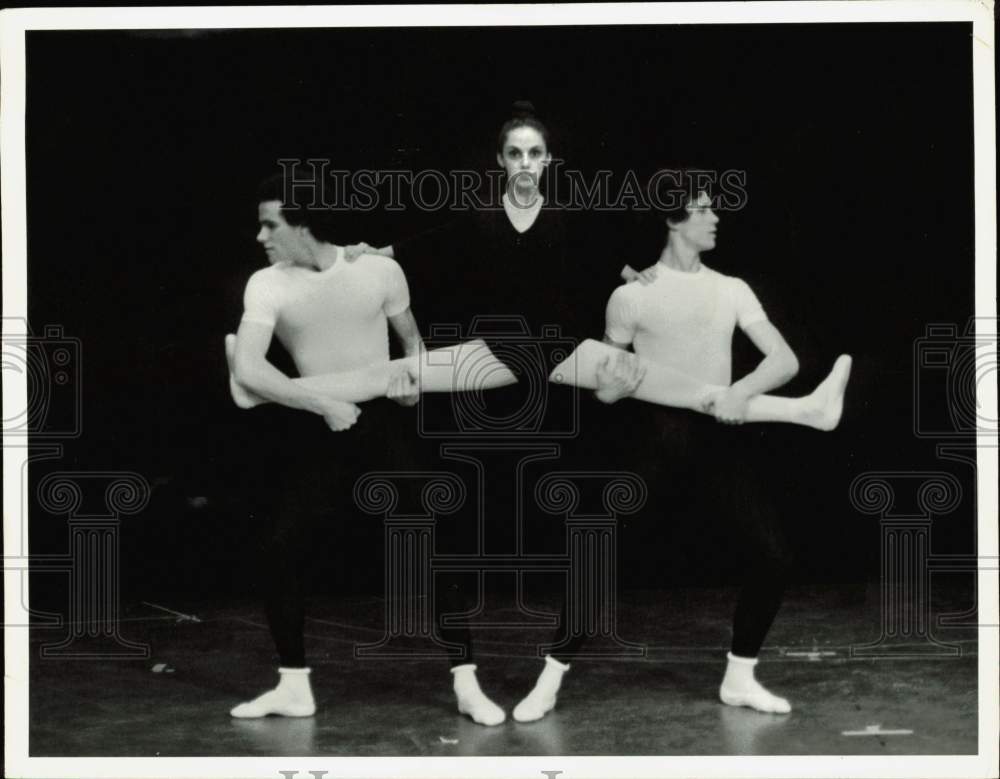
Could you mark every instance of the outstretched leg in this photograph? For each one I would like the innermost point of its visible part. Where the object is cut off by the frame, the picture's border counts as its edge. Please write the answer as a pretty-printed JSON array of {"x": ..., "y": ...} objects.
[
  {"x": 821, "y": 409},
  {"x": 350, "y": 386},
  {"x": 462, "y": 368},
  {"x": 667, "y": 386}
]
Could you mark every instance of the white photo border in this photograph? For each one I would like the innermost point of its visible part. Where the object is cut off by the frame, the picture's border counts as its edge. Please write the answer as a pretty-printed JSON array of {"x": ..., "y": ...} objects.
[{"x": 13, "y": 26}]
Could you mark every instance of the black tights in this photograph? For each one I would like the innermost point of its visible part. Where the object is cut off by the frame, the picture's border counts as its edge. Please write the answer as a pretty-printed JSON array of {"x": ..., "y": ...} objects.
[
  {"x": 714, "y": 478},
  {"x": 705, "y": 475},
  {"x": 702, "y": 473},
  {"x": 307, "y": 496}
]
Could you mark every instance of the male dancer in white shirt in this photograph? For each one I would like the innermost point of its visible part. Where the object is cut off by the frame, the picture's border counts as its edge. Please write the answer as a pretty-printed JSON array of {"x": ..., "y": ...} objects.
[
  {"x": 684, "y": 317},
  {"x": 330, "y": 315}
]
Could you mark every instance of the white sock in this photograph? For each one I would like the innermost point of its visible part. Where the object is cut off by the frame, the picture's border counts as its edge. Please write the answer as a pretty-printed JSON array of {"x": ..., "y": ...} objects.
[
  {"x": 472, "y": 700},
  {"x": 740, "y": 688},
  {"x": 291, "y": 698},
  {"x": 242, "y": 397},
  {"x": 542, "y": 698}
]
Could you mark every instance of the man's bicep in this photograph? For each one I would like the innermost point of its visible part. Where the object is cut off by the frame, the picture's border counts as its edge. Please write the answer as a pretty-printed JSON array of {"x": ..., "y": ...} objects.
[
  {"x": 397, "y": 291},
  {"x": 404, "y": 324},
  {"x": 252, "y": 342},
  {"x": 261, "y": 300},
  {"x": 619, "y": 319}
]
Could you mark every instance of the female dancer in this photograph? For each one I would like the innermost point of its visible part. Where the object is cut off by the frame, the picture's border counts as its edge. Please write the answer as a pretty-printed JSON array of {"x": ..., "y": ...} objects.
[{"x": 507, "y": 267}]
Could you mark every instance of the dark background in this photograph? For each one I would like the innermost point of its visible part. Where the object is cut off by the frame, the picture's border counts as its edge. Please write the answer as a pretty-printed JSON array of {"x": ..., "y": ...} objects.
[{"x": 144, "y": 149}]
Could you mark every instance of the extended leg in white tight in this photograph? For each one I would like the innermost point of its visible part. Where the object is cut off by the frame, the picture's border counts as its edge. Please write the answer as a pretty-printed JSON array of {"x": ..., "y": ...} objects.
[
  {"x": 821, "y": 409},
  {"x": 465, "y": 367},
  {"x": 667, "y": 386}
]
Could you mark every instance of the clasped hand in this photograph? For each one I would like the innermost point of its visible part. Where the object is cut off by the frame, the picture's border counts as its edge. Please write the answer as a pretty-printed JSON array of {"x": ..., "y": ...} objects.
[
  {"x": 622, "y": 378},
  {"x": 340, "y": 415},
  {"x": 404, "y": 387},
  {"x": 728, "y": 406}
]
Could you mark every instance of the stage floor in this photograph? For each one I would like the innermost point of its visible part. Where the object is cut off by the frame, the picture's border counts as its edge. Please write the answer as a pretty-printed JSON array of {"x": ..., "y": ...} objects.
[{"x": 176, "y": 702}]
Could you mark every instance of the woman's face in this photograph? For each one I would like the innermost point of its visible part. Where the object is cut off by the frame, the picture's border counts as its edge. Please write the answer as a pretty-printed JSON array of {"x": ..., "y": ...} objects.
[{"x": 524, "y": 157}]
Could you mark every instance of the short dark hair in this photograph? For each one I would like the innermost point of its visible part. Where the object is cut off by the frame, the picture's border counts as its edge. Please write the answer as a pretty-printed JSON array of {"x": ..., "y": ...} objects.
[
  {"x": 522, "y": 114},
  {"x": 678, "y": 187},
  {"x": 322, "y": 221}
]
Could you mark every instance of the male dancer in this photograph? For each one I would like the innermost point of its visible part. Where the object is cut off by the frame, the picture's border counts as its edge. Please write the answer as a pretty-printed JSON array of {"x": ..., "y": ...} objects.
[
  {"x": 686, "y": 319},
  {"x": 330, "y": 315}
]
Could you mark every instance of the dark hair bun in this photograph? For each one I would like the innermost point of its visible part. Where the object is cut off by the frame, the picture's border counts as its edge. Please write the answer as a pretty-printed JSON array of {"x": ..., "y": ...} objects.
[{"x": 522, "y": 109}]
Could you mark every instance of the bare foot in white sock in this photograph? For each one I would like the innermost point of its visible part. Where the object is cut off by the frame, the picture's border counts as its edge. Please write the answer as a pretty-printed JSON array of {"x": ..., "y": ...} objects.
[
  {"x": 542, "y": 698},
  {"x": 291, "y": 698},
  {"x": 740, "y": 688},
  {"x": 826, "y": 403},
  {"x": 242, "y": 397},
  {"x": 472, "y": 700}
]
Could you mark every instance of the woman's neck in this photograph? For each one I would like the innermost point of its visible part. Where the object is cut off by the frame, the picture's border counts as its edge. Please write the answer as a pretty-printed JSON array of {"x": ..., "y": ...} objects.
[
  {"x": 522, "y": 197},
  {"x": 520, "y": 216}
]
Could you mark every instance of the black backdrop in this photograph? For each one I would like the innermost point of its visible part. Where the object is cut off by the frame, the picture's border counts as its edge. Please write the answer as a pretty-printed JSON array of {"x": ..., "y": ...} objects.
[{"x": 144, "y": 149}]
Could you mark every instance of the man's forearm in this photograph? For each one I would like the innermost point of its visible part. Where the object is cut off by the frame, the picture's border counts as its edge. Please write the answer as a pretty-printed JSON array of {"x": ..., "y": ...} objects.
[
  {"x": 412, "y": 345},
  {"x": 775, "y": 370},
  {"x": 404, "y": 325},
  {"x": 268, "y": 382}
]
